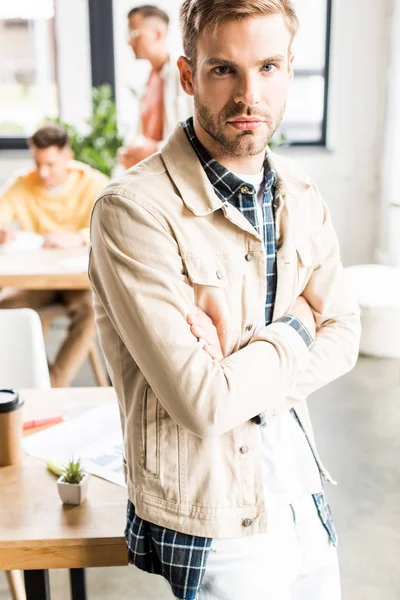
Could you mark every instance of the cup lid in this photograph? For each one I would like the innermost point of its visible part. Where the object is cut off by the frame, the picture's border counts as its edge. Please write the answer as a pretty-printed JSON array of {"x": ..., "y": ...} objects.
[{"x": 9, "y": 400}]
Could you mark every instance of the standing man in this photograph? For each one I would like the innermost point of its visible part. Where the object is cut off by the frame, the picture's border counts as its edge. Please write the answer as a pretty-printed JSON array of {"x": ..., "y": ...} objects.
[
  {"x": 54, "y": 200},
  {"x": 164, "y": 103},
  {"x": 221, "y": 305}
]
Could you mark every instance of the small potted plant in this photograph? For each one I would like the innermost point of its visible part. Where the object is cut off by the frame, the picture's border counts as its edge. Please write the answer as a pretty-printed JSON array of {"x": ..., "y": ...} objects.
[{"x": 73, "y": 483}]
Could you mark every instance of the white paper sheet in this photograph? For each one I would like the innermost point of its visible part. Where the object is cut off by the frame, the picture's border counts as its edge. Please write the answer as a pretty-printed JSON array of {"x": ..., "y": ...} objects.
[
  {"x": 94, "y": 436},
  {"x": 24, "y": 241},
  {"x": 77, "y": 264}
]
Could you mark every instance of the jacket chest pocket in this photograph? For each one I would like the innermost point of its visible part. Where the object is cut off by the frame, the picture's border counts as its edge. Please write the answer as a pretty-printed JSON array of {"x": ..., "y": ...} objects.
[
  {"x": 211, "y": 272},
  {"x": 208, "y": 277},
  {"x": 304, "y": 264},
  {"x": 151, "y": 432}
]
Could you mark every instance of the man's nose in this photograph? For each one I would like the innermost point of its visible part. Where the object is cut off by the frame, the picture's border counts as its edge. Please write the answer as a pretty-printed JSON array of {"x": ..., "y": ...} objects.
[
  {"x": 44, "y": 172},
  {"x": 247, "y": 91}
]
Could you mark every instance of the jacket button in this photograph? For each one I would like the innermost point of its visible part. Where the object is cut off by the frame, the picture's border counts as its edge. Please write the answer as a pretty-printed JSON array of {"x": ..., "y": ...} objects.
[
  {"x": 249, "y": 256},
  {"x": 249, "y": 327},
  {"x": 244, "y": 449},
  {"x": 220, "y": 274},
  {"x": 247, "y": 522},
  {"x": 245, "y": 189}
]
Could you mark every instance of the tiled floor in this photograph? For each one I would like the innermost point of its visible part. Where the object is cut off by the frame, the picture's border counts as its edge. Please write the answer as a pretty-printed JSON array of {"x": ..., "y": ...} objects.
[{"x": 357, "y": 422}]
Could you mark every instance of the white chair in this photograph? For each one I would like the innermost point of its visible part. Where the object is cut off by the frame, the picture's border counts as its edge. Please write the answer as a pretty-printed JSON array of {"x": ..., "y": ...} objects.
[
  {"x": 377, "y": 288},
  {"x": 23, "y": 364}
]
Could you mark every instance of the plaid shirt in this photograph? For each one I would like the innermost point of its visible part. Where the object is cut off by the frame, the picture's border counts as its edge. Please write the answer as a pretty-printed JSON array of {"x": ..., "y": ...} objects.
[{"x": 178, "y": 557}]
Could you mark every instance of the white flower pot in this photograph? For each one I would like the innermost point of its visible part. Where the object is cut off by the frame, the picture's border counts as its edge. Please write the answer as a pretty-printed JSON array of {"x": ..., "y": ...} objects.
[{"x": 73, "y": 493}]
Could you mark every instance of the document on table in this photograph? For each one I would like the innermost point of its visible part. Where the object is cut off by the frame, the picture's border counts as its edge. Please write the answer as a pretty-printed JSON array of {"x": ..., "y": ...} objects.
[
  {"x": 24, "y": 241},
  {"x": 94, "y": 436},
  {"x": 75, "y": 264}
]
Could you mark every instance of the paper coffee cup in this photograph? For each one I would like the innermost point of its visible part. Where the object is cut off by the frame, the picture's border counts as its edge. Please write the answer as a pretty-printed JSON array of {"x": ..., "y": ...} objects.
[{"x": 10, "y": 427}]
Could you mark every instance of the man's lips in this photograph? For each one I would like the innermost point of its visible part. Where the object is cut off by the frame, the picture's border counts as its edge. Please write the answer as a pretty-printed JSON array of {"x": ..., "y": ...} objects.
[{"x": 245, "y": 124}]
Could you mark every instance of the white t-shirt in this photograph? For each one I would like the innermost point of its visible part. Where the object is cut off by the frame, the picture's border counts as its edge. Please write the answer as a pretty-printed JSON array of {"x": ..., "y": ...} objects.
[{"x": 289, "y": 469}]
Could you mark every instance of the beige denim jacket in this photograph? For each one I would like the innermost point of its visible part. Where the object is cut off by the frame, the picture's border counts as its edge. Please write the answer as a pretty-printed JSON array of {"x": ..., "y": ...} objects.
[{"x": 163, "y": 243}]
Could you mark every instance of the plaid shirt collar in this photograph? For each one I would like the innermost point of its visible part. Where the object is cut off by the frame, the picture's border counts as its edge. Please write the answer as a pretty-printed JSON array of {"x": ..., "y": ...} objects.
[{"x": 226, "y": 185}]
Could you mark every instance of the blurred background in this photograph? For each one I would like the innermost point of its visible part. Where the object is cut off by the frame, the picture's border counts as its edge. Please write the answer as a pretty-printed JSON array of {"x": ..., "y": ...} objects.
[
  {"x": 341, "y": 116},
  {"x": 70, "y": 60}
]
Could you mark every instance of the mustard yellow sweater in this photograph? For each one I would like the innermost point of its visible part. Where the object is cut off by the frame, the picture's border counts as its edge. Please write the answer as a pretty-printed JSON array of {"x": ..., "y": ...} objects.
[{"x": 36, "y": 209}]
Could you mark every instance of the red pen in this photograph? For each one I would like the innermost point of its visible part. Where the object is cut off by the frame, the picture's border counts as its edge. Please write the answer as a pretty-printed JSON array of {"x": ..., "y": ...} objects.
[{"x": 42, "y": 422}]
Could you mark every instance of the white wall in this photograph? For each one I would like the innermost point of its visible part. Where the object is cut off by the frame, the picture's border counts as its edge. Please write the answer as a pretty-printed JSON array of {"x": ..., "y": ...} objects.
[
  {"x": 388, "y": 250},
  {"x": 348, "y": 173},
  {"x": 11, "y": 162}
]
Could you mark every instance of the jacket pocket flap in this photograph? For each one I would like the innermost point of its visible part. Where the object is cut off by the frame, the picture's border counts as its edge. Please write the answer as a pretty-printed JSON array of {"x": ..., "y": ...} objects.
[{"x": 204, "y": 271}]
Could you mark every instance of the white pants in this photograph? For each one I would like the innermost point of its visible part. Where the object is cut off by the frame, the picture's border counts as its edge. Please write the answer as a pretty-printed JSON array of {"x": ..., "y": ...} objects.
[{"x": 295, "y": 560}]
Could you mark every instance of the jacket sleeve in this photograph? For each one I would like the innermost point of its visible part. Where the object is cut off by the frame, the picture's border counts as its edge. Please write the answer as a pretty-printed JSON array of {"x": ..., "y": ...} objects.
[
  {"x": 336, "y": 312},
  {"x": 138, "y": 279}
]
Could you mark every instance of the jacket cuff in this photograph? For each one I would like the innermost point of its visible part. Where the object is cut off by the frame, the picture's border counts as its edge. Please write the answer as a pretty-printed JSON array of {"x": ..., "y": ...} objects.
[{"x": 296, "y": 324}]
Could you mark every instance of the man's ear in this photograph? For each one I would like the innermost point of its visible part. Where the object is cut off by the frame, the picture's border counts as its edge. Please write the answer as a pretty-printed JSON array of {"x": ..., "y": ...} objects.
[
  {"x": 186, "y": 75},
  {"x": 159, "y": 34},
  {"x": 291, "y": 61}
]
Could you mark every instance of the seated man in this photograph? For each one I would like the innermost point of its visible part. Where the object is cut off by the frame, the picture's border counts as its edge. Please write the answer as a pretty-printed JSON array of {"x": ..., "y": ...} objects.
[{"x": 54, "y": 200}]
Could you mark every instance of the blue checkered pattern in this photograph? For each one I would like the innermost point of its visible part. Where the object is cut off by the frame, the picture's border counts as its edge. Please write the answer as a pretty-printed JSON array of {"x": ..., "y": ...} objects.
[
  {"x": 178, "y": 557},
  {"x": 299, "y": 327},
  {"x": 242, "y": 196}
]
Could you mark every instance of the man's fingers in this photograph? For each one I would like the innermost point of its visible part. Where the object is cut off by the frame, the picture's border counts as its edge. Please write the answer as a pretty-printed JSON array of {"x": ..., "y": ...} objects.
[{"x": 215, "y": 355}]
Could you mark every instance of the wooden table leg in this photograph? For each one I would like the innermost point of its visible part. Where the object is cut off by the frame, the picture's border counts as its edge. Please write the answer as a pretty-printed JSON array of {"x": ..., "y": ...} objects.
[
  {"x": 78, "y": 584},
  {"x": 37, "y": 584}
]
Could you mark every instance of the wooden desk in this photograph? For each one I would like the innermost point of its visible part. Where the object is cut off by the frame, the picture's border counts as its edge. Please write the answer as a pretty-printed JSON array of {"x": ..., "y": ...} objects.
[
  {"x": 38, "y": 532},
  {"x": 41, "y": 270}
]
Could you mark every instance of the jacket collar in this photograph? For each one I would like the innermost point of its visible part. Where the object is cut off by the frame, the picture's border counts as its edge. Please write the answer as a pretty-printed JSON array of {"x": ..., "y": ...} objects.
[
  {"x": 194, "y": 186},
  {"x": 188, "y": 175}
]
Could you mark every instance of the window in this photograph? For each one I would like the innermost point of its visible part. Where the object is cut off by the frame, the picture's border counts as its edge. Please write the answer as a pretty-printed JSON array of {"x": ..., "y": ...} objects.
[
  {"x": 27, "y": 68},
  {"x": 38, "y": 82},
  {"x": 306, "y": 113}
]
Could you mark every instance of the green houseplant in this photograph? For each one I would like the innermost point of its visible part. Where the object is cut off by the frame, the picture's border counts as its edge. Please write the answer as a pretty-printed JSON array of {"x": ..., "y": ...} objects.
[
  {"x": 98, "y": 146},
  {"x": 73, "y": 483}
]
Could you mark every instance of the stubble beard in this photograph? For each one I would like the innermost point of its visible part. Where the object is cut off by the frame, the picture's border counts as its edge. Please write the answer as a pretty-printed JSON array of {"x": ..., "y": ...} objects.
[{"x": 245, "y": 143}]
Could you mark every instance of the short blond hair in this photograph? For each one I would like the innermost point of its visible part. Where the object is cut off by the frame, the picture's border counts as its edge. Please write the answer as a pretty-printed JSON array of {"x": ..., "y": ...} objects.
[{"x": 198, "y": 15}]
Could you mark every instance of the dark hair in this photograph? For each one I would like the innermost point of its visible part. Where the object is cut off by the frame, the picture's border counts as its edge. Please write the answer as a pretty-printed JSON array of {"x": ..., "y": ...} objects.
[
  {"x": 49, "y": 135},
  {"x": 149, "y": 10}
]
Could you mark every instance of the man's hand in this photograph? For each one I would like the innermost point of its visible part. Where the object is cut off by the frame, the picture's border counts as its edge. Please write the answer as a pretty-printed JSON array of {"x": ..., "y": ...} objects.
[
  {"x": 7, "y": 234},
  {"x": 204, "y": 329},
  {"x": 302, "y": 310},
  {"x": 63, "y": 239},
  {"x": 128, "y": 157}
]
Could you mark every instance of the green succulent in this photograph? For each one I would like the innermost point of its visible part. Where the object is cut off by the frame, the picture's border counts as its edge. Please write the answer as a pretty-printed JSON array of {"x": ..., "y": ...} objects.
[{"x": 73, "y": 471}]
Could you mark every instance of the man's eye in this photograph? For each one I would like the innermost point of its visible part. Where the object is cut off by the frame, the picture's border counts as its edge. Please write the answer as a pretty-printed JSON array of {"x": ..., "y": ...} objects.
[
  {"x": 222, "y": 70},
  {"x": 268, "y": 68}
]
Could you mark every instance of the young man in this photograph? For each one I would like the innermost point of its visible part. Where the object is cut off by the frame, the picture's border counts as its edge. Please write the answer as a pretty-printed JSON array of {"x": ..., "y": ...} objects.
[
  {"x": 164, "y": 103},
  {"x": 219, "y": 240},
  {"x": 54, "y": 200}
]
